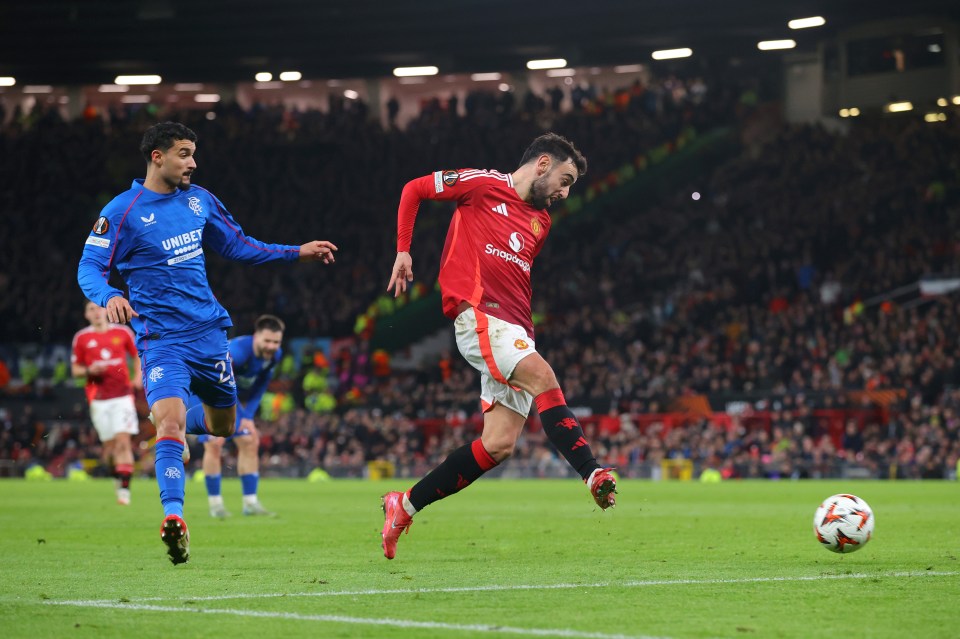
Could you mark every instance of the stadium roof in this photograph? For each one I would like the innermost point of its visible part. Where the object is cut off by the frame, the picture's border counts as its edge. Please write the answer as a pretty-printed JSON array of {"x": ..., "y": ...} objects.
[{"x": 71, "y": 42}]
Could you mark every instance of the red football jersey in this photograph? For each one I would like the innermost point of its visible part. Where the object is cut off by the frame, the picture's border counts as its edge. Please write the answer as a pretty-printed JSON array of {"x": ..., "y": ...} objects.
[
  {"x": 110, "y": 347},
  {"x": 492, "y": 240}
]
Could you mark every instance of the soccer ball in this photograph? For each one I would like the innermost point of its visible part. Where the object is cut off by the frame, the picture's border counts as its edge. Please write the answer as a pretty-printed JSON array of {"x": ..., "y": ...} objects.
[{"x": 843, "y": 523}]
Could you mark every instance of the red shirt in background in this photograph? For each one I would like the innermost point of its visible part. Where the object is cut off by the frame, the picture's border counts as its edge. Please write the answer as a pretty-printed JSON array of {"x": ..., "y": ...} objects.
[{"x": 110, "y": 348}]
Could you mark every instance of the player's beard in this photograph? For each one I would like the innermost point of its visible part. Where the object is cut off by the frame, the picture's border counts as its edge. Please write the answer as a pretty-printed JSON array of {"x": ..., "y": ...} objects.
[
  {"x": 539, "y": 193},
  {"x": 178, "y": 184}
]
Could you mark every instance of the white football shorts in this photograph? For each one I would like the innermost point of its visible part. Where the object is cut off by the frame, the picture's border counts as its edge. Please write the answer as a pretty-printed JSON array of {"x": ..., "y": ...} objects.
[
  {"x": 494, "y": 347},
  {"x": 112, "y": 416}
]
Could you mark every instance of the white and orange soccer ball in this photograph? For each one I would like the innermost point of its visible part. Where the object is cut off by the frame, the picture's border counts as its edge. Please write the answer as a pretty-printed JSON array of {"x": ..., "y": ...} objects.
[{"x": 843, "y": 523}]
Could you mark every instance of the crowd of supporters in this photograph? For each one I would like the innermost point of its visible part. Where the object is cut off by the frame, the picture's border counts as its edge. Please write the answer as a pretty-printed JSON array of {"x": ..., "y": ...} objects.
[
  {"x": 746, "y": 287},
  {"x": 921, "y": 441},
  {"x": 762, "y": 282},
  {"x": 284, "y": 175}
]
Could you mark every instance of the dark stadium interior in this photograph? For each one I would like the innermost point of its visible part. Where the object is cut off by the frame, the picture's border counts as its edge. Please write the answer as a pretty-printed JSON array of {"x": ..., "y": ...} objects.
[{"x": 90, "y": 41}]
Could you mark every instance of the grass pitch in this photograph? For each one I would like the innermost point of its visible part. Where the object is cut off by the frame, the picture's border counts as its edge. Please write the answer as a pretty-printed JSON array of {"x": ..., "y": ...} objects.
[{"x": 505, "y": 558}]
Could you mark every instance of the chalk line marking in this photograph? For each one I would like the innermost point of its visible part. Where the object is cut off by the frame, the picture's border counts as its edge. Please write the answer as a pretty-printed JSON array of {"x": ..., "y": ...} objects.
[
  {"x": 393, "y": 623},
  {"x": 561, "y": 586},
  {"x": 140, "y": 604}
]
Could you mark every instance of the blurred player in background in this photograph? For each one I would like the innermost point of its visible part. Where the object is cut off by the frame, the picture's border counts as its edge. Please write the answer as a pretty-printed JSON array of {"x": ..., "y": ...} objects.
[
  {"x": 500, "y": 225},
  {"x": 100, "y": 353},
  {"x": 255, "y": 357},
  {"x": 155, "y": 234}
]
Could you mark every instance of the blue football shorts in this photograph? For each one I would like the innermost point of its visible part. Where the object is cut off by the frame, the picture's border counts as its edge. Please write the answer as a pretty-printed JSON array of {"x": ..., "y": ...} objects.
[{"x": 200, "y": 366}]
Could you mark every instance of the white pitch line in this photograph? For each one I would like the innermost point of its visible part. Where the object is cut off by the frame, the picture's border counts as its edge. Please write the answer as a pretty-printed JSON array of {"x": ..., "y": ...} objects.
[
  {"x": 760, "y": 580},
  {"x": 394, "y": 623},
  {"x": 560, "y": 586}
]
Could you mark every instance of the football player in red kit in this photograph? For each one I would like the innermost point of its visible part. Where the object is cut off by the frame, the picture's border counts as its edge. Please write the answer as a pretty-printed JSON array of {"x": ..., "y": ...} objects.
[
  {"x": 499, "y": 227},
  {"x": 100, "y": 353}
]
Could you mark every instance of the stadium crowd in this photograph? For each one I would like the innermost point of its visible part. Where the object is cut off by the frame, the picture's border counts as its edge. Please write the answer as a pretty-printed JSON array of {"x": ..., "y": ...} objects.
[
  {"x": 283, "y": 173},
  {"x": 769, "y": 285}
]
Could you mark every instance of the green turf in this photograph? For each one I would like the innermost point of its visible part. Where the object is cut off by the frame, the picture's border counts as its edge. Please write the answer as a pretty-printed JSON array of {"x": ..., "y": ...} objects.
[{"x": 673, "y": 560}]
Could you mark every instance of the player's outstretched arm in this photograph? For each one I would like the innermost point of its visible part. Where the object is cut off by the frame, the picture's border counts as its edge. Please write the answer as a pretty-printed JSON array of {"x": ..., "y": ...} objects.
[
  {"x": 318, "y": 251},
  {"x": 119, "y": 310},
  {"x": 402, "y": 273}
]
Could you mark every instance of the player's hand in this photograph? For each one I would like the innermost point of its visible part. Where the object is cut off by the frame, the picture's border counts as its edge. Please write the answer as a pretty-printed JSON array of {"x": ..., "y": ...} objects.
[
  {"x": 247, "y": 425},
  {"x": 119, "y": 310},
  {"x": 402, "y": 273},
  {"x": 96, "y": 368},
  {"x": 318, "y": 251}
]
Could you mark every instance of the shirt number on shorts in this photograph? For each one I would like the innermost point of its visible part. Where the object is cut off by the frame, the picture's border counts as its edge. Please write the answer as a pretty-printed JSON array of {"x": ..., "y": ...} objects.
[{"x": 226, "y": 373}]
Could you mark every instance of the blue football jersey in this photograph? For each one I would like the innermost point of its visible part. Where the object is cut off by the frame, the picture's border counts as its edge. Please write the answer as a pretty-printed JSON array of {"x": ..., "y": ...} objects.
[
  {"x": 251, "y": 373},
  {"x": 157, "y": 241}
]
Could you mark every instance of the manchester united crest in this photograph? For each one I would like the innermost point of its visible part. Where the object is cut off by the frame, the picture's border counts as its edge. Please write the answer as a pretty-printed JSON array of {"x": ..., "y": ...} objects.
[
  {"x": 521, "y": 345},
  {"x": 535, "y": 226}
]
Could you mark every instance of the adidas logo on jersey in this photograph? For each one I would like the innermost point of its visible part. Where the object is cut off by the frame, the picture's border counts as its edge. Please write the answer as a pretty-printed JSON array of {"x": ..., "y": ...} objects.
[{"x": 501, "y": 209}]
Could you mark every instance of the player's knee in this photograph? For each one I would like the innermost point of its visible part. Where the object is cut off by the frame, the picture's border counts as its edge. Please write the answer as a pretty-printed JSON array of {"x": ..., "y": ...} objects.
[
  {"x": 544, "y": 381},
  {"x": 248, "y": 442},
  {"x": 169, "y": 427},
  {"x": 213, "y": 446},
  {"x": 536, "y": 376},
  {"x": 500, "y": 448}
]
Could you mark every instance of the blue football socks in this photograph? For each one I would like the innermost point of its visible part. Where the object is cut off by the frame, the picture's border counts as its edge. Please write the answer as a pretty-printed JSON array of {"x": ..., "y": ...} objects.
[
  {"x": 213, "y": 485},
  {"x": 170, "y": 475},
  {"x": 249, "y": 483}
]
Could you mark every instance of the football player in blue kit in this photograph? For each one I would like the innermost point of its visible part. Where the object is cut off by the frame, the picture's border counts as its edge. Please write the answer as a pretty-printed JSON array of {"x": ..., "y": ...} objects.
[
  {"x": 255, "y": 358},
  {"x": 155, "y": 235}
]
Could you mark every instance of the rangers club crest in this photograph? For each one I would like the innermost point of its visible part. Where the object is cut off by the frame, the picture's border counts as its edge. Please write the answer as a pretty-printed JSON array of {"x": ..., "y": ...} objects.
[{"x": 194, "y": 204}]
